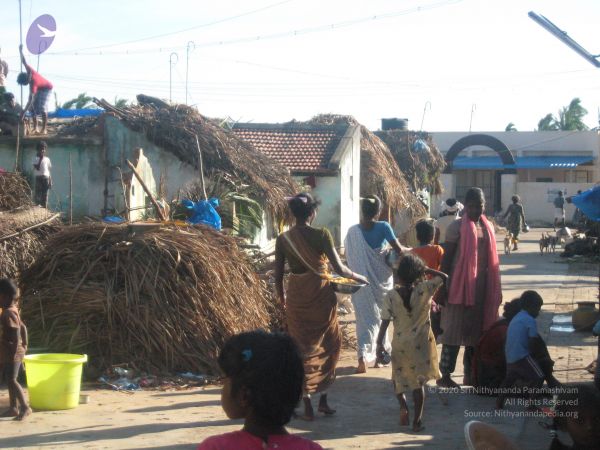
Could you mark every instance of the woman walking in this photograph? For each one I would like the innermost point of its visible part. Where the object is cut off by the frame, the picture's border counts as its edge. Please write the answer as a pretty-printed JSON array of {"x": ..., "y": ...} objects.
[
  {"x": 364, "y": 251},
  {"x": 516, "y": 219},
  {"x": 309, "y": 300},
  {"x": 474, "y": 293}
]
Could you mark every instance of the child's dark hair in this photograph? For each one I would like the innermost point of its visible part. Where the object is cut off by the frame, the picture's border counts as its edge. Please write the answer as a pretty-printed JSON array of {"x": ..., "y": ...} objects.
[
  {"x": 531, "y": 299},
  {"x": 512, "y": 308},
  {"x": 302, "y": 205},
  {"x": 23, "y": 79},
  {"x": 8, "y": 288},
  {"x": 269, "y": 367},
  {"x": 425, "y": 231},
  {"x": 370, "y": 206},
  {"x": 474, "y": 195},
  {"x": 411, "y": 269}
]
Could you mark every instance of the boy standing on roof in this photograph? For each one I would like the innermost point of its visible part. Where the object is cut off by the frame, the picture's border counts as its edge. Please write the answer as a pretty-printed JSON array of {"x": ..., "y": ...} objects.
[{"x": 39, "y": 93}]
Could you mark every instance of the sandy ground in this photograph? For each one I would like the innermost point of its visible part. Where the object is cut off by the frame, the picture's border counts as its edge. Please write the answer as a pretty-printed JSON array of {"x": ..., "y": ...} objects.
[{"x": 367, "y": 410}]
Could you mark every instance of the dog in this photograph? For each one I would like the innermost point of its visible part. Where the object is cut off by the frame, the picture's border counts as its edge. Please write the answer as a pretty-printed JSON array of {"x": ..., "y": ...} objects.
[
  {"x": 562, "y": 235},
  {"x": 552, "y": 241},
  {"x": 507, "y": 243},
  {"x": 544, "y": 243}
]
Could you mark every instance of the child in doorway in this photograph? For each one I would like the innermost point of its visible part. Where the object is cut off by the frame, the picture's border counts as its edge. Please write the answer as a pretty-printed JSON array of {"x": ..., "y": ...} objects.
[
  {"x": 414, "y": 355},
  {"x": 264, "y": 375},
  {"x": 521, "y": 339},
  {"x": 578, "y": 413},
  {"x": 12, "y": 349},
  {"x": 432, "y": 255}
]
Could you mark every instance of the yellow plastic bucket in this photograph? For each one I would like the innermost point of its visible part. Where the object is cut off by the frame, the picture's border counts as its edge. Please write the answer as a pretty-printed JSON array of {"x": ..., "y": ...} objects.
[{"x": 54, "y": 380}]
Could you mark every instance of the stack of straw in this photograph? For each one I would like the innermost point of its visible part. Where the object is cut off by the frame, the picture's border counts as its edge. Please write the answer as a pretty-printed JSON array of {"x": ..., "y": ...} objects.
[{"x": 162, "y": 300}]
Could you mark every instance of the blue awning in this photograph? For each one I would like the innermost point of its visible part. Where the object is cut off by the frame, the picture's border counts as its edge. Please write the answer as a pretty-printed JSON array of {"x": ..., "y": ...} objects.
[{"x": 522, "y": 162}]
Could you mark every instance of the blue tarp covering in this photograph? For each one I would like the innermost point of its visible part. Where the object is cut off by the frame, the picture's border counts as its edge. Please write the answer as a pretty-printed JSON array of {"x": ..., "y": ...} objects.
[
  {"x": 522, "y": 162},
  {"x": 203, "y": 212},
  {"x": 70, "y": 113},
  {"x": 589, "y": 203}
]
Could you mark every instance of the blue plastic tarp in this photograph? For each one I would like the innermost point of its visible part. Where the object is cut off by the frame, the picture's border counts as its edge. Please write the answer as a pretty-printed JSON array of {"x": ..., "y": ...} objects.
[
  {"x": 589, "y": 203},
  {"x": 70, "y": 113},
  {"x": 203, "y": 212}
]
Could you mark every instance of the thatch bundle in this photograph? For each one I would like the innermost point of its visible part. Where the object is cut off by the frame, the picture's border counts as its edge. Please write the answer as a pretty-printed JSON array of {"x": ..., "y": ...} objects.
[
  {"x": 165, "y": 299},
  {"x": 379, "y": 173},
  {"x": 14, "y": 191},
  {"x": 175, "y": 127},
  {"x": 23, "y": 233},
  {"x": 421, "y": 168}
]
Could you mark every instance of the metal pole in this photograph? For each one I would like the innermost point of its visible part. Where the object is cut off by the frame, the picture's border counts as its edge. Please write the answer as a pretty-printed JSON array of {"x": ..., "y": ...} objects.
[
  {"x": 427, "y": 104},
  {"x": 171, "y": 64},
  {"x": 187, "y": 66},
  {"x": 21, "y": 43},
  {"x": 473, "y": 109}
]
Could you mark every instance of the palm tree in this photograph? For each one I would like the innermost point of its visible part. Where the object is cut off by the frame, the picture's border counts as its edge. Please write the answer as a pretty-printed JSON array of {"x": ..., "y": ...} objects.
[
  {"x": 82, "y": 101},
  {"x": 120, "y": 102},
  {"x": 510, "y": 127},
  {"x": 570, "y": 118}
]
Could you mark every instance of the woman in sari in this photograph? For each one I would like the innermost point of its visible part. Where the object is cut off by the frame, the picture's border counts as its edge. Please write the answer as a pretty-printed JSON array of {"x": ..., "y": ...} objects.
[
  {"x": 516, "y": 219},
  {"x": 365, "y": 253},
  {"x": 474, "y": 292},
  {"x": 309, "y": 300}
]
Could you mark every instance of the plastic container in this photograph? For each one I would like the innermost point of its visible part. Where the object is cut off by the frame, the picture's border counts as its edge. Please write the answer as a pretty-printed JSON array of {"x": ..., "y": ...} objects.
[
  {"x": 585, "y": 316},
  {"x": 54, "y": 380}
]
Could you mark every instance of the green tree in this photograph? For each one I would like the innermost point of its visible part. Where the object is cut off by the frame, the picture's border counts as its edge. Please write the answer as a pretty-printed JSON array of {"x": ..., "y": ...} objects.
[
  {"x": 82, "y": 101},
  {"x": 570, "y": 118},
  {"x": 120, "y": 102},
  {"x": 510, "y": 127}
]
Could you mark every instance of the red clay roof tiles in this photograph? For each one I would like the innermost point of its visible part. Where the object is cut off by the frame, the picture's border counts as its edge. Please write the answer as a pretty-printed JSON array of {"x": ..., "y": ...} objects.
[{"x": 301, "y": 148}]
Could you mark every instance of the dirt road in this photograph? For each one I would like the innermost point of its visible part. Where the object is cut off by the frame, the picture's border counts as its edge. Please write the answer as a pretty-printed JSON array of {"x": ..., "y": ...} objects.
[{"x": 367, "y": 410}]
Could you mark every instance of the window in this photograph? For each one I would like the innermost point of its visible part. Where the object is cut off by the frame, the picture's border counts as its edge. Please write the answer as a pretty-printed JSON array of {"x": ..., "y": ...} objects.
[
  {"x": 544, "y": 180},
  {"x": 579, "y": 176}
]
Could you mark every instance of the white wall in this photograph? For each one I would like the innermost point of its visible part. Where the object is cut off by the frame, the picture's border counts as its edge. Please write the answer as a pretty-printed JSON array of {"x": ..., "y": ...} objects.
[
  {"x": 328, "y": 190},
  {"x": 350, "y": 184},
  {"x": 537, "y": 200}
]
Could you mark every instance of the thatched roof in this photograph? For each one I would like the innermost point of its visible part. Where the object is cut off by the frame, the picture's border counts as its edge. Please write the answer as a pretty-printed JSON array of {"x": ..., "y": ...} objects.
[
  {"x": 422, "y": 169},
  {"x": 379, "y": 173},
  {"x": 175, "y": 128}
]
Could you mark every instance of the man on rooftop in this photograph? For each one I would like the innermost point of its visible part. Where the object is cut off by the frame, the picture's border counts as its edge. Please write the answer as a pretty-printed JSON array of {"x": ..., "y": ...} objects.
[{"x": 40, "y": 90}]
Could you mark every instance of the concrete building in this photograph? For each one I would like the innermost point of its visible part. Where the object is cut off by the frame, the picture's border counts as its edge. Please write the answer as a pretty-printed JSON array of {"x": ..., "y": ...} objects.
[
  {"x": 535, "y": 165},
  {"x": 324, "y": 158}
]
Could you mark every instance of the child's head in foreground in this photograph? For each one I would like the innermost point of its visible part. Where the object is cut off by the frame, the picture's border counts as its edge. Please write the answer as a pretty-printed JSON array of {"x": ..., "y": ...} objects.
[
  {"x": 531, "y": 302},
  {"x": 8, "y": 292},
  {"x": 578, "y": 413},
  {"x": 425, "y": 232},
  {"x": 411, "y": 269},
  {"x": 264, "y": 375}
]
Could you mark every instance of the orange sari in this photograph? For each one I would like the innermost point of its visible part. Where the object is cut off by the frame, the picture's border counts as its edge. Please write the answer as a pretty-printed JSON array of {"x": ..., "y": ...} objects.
[{"x": 311, "y": 314}]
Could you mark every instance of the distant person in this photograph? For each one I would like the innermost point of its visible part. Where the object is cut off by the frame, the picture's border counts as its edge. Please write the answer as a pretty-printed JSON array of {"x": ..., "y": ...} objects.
[
  {"x": 10, "y": 112},
  {"x": 578, "y": 216},
  {"x": 432, "y": 255},
  {"x": 13, "y": 347},
  {"x": 474, "y": 291},
  {"x": 521, "y": 338},
  {"x": 3, "y": 74},
  {"x": 578, "y": 414},
  {"x": 516, "y": 219},
  {"x": 40, "y": 90},
  {"x": 365, "y": 246},
  {"x": 559, "y": 210},
  {"x": 450, "y": 212},
  {"x": 263, "y": 383},
  {"x": 43, "y": 179},
  {"x": 414, "y": 354}
]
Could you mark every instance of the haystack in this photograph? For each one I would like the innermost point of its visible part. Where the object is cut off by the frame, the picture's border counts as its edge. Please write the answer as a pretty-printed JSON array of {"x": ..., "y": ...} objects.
[
  {"x": 175, "y": 128},
  {"x": 422, "y": 168},
  {"x": 162, "y": 300},
  {"x": 379, "y": 173},
  {"x": 23, "y": 227}
]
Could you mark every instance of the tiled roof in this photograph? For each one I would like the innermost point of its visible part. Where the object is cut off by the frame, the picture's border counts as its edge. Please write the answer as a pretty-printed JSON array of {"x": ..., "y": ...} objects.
[{"x": 301, "y": 147}]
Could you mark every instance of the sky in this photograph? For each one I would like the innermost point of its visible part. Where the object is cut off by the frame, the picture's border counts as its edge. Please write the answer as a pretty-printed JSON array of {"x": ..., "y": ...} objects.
[{"x": 445, "y": 65}]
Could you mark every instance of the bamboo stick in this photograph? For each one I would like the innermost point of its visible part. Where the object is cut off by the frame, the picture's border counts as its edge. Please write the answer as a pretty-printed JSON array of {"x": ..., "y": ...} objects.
[{"x": 147, "y": 191}]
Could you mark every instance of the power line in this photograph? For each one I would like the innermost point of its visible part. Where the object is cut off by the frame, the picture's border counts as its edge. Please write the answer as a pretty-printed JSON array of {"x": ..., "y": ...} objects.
[
  {"x": 204, "y": 25},
  {"x": 278, "y": 35}
]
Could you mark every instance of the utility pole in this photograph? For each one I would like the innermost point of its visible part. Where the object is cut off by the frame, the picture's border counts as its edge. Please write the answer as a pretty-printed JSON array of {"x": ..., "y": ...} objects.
[{"x": 171, "y": 64}]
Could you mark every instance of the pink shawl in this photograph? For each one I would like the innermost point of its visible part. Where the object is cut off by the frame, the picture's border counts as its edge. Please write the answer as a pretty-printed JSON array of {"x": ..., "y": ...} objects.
[{"x": 464, "y": 275}]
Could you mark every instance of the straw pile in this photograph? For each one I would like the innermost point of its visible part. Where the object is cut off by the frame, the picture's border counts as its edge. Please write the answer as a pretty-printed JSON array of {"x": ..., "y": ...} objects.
[
  {"x": 421, "y": 169},
  {"x": 162, "y": 300},
  {"x": 14, "y": 191},
  {"x": 379, "y": 174},
  {"x": 175, "y": 127}
]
